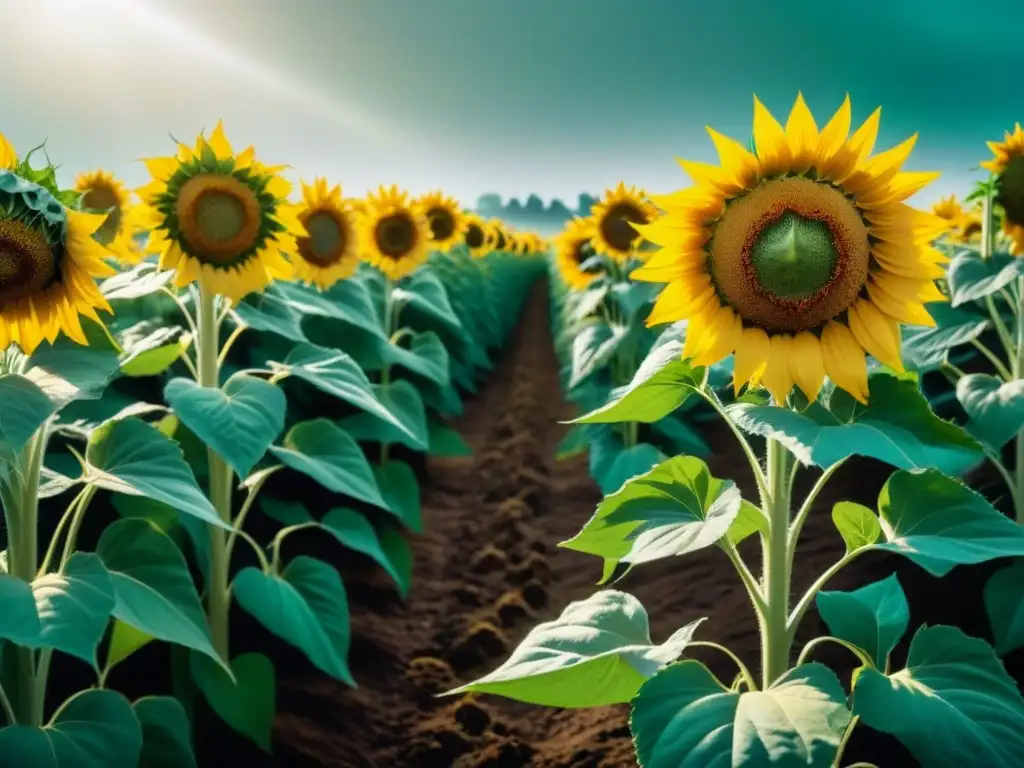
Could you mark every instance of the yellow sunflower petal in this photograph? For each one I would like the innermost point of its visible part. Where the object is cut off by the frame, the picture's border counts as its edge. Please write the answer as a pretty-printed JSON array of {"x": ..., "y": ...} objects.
[
  {"x": 844, "y": 360},
  {"x": 777, "y": 377},
  {"x": 878, "y": 334},
  {"x": 773, "y": 152},
  {"x": 806, "y": 365},
  {"x": 801, "y": 135},
  {"x": 752, "y": 355}
]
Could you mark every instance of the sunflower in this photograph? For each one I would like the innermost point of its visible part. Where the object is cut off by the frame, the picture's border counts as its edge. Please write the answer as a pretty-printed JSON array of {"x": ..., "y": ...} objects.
[
  {"x": 616, "y": 217},
  {"x": 800, "y": 258},
  {"x": 1008, "y": 165},
  {"x": 330, "y": 251},
  {"x": 572, "y": 248},
  {"x": 474, "y": 235},
  {"x": 497, "y": 237},
  {"x": 949, "y": 209},
  {"x": 445, "y": 218},
  {"x": 395, "y": 232},
  {"x": 219, "y": 218},
  {"x": 102, "y": 192},
  {"x": 968, "y": 226},
  {"x": 49, "y": 258}
]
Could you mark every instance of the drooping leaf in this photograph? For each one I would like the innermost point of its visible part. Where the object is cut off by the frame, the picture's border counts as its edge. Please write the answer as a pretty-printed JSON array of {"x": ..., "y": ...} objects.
[
  {"x": 444, "y": 441},
  {"x": 674, "y": 509},
  {"x": 873, "y": 618},
  {"x": 67, "y": 371},
  {"x": 1004, "y": 604},
  {"x": 972, "y": 277},
  {"x": 239, "y": 421},
  {"x": 346, "y": 300},
  {"x": 305, "y": 605},
  {"x": 153, "y": 590},
  {"x": 19, "y": 622},
  {"x": 92, "y": 729},
  {"x": 925, "y": 348},
  {"x": 684, "y": 716},
  {"x": 953, "y": 526},
  {"x": 166, "y": 733},
  {"x": 896, "y": 426},
  {"x": 141, "y": 280},
  {"x": 592, "y": 349},
  {"x": 399, "y": 554},
  {"x": 74, "y": 606},
  {"x": 322, "y": 451},
  {"x": 271, "y": 314},
  {"x": 404, "y": 402},
  {"x": 597, "y": 652},
  {"x": 995, "y": 409},
  {"x": 401, "y": 491},
  {"x": 25, "y": 408},
  {"x": 354, "y": 531},
  {"x": 953, "y": 704},
  {"x": 246, "y": 703},
  {"x": 129, "y": 456}
]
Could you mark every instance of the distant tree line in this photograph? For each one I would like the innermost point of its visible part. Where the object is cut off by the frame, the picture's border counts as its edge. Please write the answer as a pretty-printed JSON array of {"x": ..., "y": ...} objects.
[{"x": 533, "y": 214}]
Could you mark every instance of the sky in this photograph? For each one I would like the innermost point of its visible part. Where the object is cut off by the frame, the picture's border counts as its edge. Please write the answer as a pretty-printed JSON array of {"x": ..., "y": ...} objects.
[{"x": 553, "y": 97}]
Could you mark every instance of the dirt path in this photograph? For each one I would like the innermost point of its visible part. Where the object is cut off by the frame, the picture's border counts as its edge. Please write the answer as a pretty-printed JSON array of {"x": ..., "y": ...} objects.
[{"x": 487, "y": 570}]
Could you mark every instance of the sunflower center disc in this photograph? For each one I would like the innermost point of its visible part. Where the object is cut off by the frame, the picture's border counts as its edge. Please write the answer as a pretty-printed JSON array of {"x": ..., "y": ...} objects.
[
  {"x": 794, "y": 258},
  {"x": 474, "y": 236},
  {"x": 326, "y": 241},
  {"x": 27, "y": 263},
  {"x": 395, "y": 235},
  {"x": 582, "y": 252},
  {"x": 103, "y": 198},
  {"x": 1011, "y": 191},
  {"x": 616, "y": 229},
  {"x": 219, "y": 215},
  {"x": 441, "y": 223},
  {"x": 220, "y": 218},
  {"x": 499, "y": 243}
]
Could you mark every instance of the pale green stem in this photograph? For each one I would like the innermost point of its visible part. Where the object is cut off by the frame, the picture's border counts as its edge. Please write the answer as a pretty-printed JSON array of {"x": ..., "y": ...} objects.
[
  {"x": 275, "y": 545},
  {"x": 1001, "y": 329},
  {"x": 1010, "y": 479},
  {"x": 749, "y": 678},
  {"x": 1001, "y": 369},
  {"x": 846, "y": 740},
  {"x": 753, "y": 589},
  {"x": 807, "y": 506},
  {"x": 218, "y": 599},
  {"x": 390, "y": 321},
  {"x": 805, "y": 602},
  {"x": 775, "y": 638},
  {"x": 8, "y": 709},
  {"x": 1018, "y": 372},
  {"x": 806, "y": 652},
  {"x": 229, "y": 342},
  {"x": 243, "y": 513},
  {"x": 184, "y": 310},
  {"x": 51, "y": 550},
  {"x": 752, "y": 460}
]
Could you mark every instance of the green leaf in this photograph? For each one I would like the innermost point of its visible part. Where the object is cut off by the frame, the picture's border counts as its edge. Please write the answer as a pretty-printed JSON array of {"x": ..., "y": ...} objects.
[
  {"x": 129, "y": 456},
  {"x": 592, "y": 349},
  {"x": 239, "y": 422},
  {"x": 346, "y": 300},
  {"x": 426, "y": 357},
  {"x": 444, "y": 441},
  {"x": 896, "y": 426},
  {"x": 271, "y": 314},
  {"x": 141, "y": 280},
  {"x": 925, "y": 348},
  {"x": 954, "y": 704},
  {"x": 684, "y": 716},
  {"x": 662, "y": 383},
  {"x": 857, "y": 524},
  {"x": 573, "y": 443},
  {"x": 305, "y": 605},
  {"x": 124, "y": 641},
  {"x": 354, "y": 531},
  {"x": 337, "y": 374},
  {"x": 74, "y": 606},
  {"x": 971, "y": 277},
  {"x": 246, "y": 703},
  {"x": 749, "y": 520},
  {"x": 153, "y": 590},
  {"x": 166, "y": 733},
  {"x": 873, "y": 618},
  {"x": 627, "y": 463},
  {"x": 597, "y": 652},
  {"x": 401, "y": 491},
  {"x": 67, "y": 371},
  {"x": 322, "y": 451},
  {"x": 92, "y": 729},
  {"x": 155, "y": 349},
  {"x": 398, "y": 552},
  {"x": 674, "y": 509},
  {"x": 25, "y": 409},
  {"x": 1004, "y": 604},
  {"x": 956, "y": 525},
  {"x": 19, "y": 622},
  {"x": 424, "y": 292},
  {"x": 404, "y": 402},
  {"x": 995, "y": 410}
]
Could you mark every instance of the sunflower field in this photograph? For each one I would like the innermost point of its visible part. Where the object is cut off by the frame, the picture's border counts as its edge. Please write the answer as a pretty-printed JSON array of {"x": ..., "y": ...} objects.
[{"x": 282, "y": 470}]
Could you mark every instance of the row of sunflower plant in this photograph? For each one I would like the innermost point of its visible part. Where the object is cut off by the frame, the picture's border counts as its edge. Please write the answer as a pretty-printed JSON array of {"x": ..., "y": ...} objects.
[
  {"x": 798, "y": 257},
  {"x": 603, "y": 328},
  {"x": 172, "y": 366}
]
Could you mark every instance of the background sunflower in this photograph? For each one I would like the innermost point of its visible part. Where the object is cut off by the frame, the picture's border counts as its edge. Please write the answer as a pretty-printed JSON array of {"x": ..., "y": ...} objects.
[
  {"x": 800, "y": 258},
  {"x": 329, "y": 252},
  {"x": 102, "y": 192},
  {"x": 572, "y": 248},
  {"x": 395, "y": 233},
  {"x": 616, "y": 216},
  {"x": 474, "y": 234},
  {"x": 445, "y": 217},
  {"x": 1008, "y": 165},
  {"x": 219, "y": 218}
]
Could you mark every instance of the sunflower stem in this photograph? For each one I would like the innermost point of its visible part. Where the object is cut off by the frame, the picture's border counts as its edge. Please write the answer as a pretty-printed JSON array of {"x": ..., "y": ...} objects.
[
  {"x": 218, "y": 596},
  {"x": 20, "y": 498},
  {"x": 390, "y": 320},
  {"x": 1018, "y": 372},
  {"x": 775, "y": 638}
]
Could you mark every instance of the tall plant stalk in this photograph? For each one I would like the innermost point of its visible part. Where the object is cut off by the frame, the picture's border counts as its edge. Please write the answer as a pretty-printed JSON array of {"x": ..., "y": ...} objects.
[{"x": 776, "y": 575}]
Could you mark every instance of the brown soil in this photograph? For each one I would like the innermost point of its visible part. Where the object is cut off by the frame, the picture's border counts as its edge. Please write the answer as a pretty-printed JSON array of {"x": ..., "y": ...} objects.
[{"x": 487, "y": 570}]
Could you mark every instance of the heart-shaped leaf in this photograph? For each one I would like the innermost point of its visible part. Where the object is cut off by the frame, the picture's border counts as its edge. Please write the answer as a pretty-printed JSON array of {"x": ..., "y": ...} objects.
[
  {"x": 955, "y": 526},
  {"x": 673, "y": 509},
  {"x": 306, "y": 605},
  {"x": 326, "y": 453},
  {"x": 954, "y": 704},
  {"x": 153, "y": 590},
  {"x": 129, "y": 456},
  {"x": 401, "y": 491},
  {"x": 873, "y": 618},
  {"x": 166, "y": 733},
  {"x": 684, "y": 716},
  {"x": 74, "y": 606},
  {"x": 239, "y": 421},
  {"x": 995, "y": 409},
  {"x": 896, "y": 426},
  {"x": 246, "y": 703},
  {"x": 597, "y": 652},
  {"x": 92, "y": 729},
  {"x": 1004, "y": 603}
]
